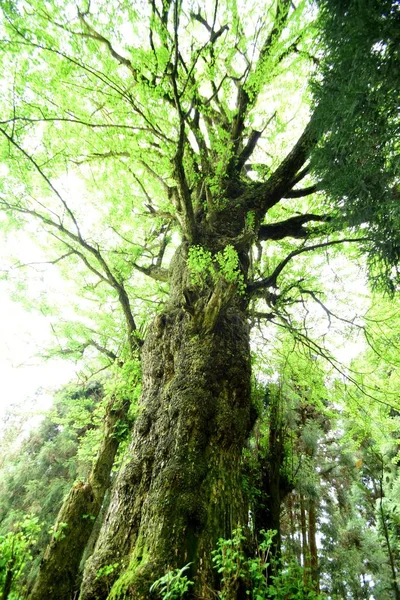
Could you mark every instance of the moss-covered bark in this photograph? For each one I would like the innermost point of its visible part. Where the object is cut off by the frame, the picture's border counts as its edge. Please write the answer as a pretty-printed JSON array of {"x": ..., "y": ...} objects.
[
  {"x": 58, "y": 573},
  {"x": 181, "y": 488}
]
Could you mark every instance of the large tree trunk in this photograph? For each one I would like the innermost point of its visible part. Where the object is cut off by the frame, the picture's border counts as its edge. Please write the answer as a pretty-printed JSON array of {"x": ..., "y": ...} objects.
[
  {"x": 181, "y": 489},
  {"x": 59, "y": 569}
]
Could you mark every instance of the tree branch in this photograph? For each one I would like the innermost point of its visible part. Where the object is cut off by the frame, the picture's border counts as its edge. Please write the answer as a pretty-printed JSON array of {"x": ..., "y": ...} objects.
[
  {"x": 245, "y": 100},
  {"x": 108, "y": 277},
  {"x": 263, "y": 196},
  {"x": 93, "y": 34},
  {"x": 264, "y": 284},
  {"x": 183, "y": 202},
  {"x": 154, "y": 271},
  {"x": 303, "y": 192},
  {"x": 293, "y": 227},
  {"x": 81, "y": 349},
  {"x": 44, "y": 176},
  {"x": 248, "y": 149}
]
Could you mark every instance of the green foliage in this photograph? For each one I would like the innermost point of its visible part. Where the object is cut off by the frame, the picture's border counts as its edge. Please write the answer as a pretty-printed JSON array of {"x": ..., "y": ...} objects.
[
  {"x": 357, "y": 94},
  {"x": 235, "y": 568},
  {"x": 230, "y": 562},
  {"x": 173, "y": 585},
  {"x": 200, "y": 263},
  {"x": 290, "y": 584},
  {"x": 16, "y": 552},
  {"x": 228, "y": 262},
  {"x": 223, "y": 265},
  {"x": 58, "y": 531},
  {"x": 114, "y": 149},
  {"x": 40, "y": 468},
  {"x": 107, "y": 570}
]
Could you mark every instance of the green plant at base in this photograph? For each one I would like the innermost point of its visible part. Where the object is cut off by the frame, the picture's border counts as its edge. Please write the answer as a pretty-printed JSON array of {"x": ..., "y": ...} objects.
[
  {"x": 237, "y": 569},
  {"x": 173, "y": 585},
  {"x": 290, "y": 584},
  {"x": 231, "y": 562},
  {"x": 106, "y": 571}
]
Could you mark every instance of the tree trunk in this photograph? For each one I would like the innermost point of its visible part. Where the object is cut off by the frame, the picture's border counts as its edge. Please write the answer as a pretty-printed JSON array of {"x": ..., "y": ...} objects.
[
  {"x": 396, "y": 589},
  {"x": 312, "y": 529},
  {"x": 267, "y": 514},
  {"x": 59, "y": 569},
  {"x": 304, "y": 544},
  {"x": 181, "y": 489},
  {"x": 294, "y": 546},
  {"x": 8, "y": 580}
]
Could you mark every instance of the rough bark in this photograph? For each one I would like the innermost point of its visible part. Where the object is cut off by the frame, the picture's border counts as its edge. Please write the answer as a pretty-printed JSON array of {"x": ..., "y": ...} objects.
[
  {"x": 304, "y": 543},
  {"x": 181, "y": 489},
  {"x": 59, "y": 569},
  {"x": 8, "y": 580},
  {"x": 312, "y": 530}
]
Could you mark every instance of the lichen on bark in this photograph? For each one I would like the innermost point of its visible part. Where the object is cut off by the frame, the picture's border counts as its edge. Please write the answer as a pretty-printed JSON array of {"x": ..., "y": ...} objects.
[{"x": 180, "y": 489}]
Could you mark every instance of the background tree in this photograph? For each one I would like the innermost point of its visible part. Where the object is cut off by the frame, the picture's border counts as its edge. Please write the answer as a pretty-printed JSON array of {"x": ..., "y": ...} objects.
[{"x": 358, "y": 157}]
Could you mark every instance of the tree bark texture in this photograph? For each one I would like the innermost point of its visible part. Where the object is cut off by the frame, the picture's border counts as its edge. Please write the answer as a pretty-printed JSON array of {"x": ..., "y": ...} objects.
[
  {"x": 8, "y": 580},
  {"x": 304, "y": 542},
  {"x": 312, "y": 529},
  {"x": 59, "y": 569},
  {"x": 181, "y": 487}
]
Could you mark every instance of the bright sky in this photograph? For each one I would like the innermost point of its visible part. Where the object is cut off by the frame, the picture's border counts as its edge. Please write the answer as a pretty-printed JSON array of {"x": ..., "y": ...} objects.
[{"x": 21, "y": 374}]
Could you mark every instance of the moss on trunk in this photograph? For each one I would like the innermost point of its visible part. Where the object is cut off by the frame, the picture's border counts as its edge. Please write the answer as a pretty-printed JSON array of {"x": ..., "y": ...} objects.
[{"x": 181, "y": 489}]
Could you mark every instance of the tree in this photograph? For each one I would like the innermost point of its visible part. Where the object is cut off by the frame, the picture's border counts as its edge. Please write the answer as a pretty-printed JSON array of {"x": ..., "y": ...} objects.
[
  {"x": 168, "y": 141},
  {"x": 39, "y": 471},
  {"x": 74, "y": 526},
  {"x": 358, "y": 159}
]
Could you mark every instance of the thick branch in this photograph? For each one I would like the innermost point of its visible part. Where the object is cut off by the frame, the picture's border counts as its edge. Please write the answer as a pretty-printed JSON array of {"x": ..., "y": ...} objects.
[
  {"x": 248, "y": 149},
  {"x": 263, "y": 196},
  {"x": 303, "y": 192},
  {"x": 155, "y": 272},
  {"x": 293, "y": 227},
  {"x": 300, "y": 175}
]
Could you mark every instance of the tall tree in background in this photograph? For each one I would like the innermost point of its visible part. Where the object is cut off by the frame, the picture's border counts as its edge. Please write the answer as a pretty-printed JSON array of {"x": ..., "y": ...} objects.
[{"x": 172, "y": 141}]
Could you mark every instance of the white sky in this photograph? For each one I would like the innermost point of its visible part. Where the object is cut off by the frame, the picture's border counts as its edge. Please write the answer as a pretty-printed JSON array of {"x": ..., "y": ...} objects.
[{"x": 21, "y": 374}]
